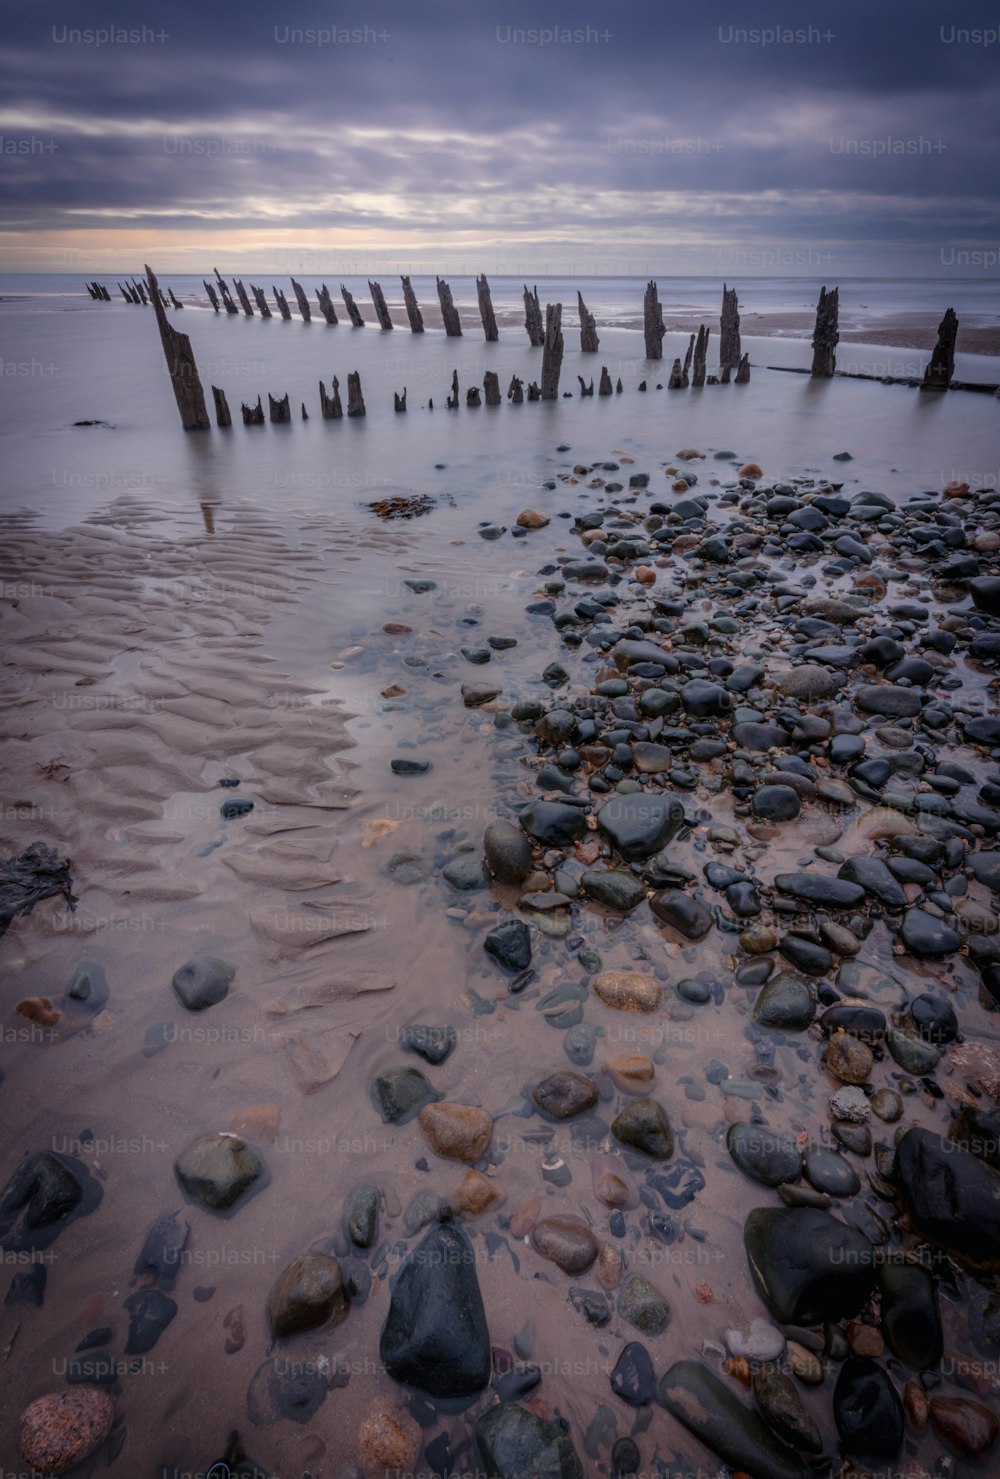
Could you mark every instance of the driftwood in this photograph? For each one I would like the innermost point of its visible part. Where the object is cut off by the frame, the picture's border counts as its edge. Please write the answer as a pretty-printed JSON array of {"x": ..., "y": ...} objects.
[
  {"x": 325, "y": 302},
  {"x": 241, "y": 293},
  {"x": 700, "y": 366},
  {"x": 552, "y": 352},
  {"x": 452, "y": 324},
  {"x": 826, "y": 334},
  {"x": 585, "y": 389},
  {"x": 262, "y": 304},
  {"x": 253, "y": 415},
  {"x": 399, "y": 401},
  {"x": 355, "y": 400},
  {"x": 533, "y": 318},
  {"x": 588, "y": 328},
  {"x": 491, "y": 388},
  {"x": 302, "y": 301},
  {"x": 188, "y": 392},
  {"x": 490, "y": 331},
  {"x": 222, "y": 416},
  {"x": 676, "y": 381},
  {"x": 281, "y": 301},
  {"x": 211, "y": 295},
  {"x": 472, "y": 397},
  {"x": 652, "y": 322},
  {"x": 515, "y": 391},
  {"x": 227, "y": 297},
  {"x": 379, "y": 304},
  {"x": 353, "y": 312},
  {"x": 452, "y": 401},
  {"x": 605, "y": 386},
  {"x": 278, "y": 411},
  {"x": 979, "y": 387},
  {"x": 330, "y": 406},
  {"x": 743, "y": 372},
  {"x": 729, "y": 330},
  {"x": 941, "y": 365},
  {"x": 412, "y": 307},
  {"x": 176, "y": 302}
]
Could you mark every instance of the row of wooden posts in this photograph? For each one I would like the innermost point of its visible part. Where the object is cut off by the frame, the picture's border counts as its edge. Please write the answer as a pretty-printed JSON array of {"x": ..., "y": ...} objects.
[{"x": 692, "y": 370}]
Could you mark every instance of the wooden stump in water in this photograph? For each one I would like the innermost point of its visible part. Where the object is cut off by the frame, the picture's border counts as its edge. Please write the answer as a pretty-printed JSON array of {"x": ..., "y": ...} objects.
[
  {"x": 618, "y": 386},
  {"x": 552, "y": 352},
  {"x": 652, "y": 322},
  {"x": 533, "y": 318},
  {"x": 588, "y": 329},
  {"x": 941, "y": 365},
  {"x": 534, "y": 394},
  {"x": 227, "y": 298},
  {"x": 700, "y": 366},
  {"x": 281, "y": 301},
  {"x": 515, "y": 391},
  {"x": 379, "y": 304},
  {"x": 183, "y": 370},
  {"x": 174, "y": 299},
  {"x": 278, "y": 411},
  {"x": 491, "y": 388},
  {"x": 305, "y": 413},
  {"x": 452, "y": 401},
  {"x": 253, "y": 415},
  {"x": 726, "y": 372},
  {"x": 605, "y": 386},
  {"x": 826, "y": 335},
  {"x": 585, "y": 389},
  {"x": 687, "y": 362},
  {"x": 141, "y": 290},
  {"x": 355, "y": 400},
  {"x": 325, "y": 302},
  {"x": 489, "y": 318},
  {"x": 676, "y": 381},
  {"x": 262, "y": 304},
  {"x": 743, "y": 372},
  {"x": 241, "y": 293},
  {"x": 222, "y": 416},
  {"x": 412, "y": 307},
  {"x": 729, "y": 330},
  {"x": 127, "y": 295},
  {"x": 472, "y": 397},
  {"x": 399, "y": 401},
  {"x": 353, "y": 312},
  {"x": 302, "y": 301},
  {"x": 452, "y": 324},
  {"x": 330, "y": 406}
]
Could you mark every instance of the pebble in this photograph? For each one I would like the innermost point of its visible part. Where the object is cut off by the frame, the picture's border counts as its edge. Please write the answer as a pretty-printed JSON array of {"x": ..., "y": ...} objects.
[
  {"x": 566, "y": 1242},
  {"x": 309, "y": 1293},
  {"x": 459, "y": 1132},
  {"x": 62, "y": 1429},
  {"x": 628, "y": 991}
]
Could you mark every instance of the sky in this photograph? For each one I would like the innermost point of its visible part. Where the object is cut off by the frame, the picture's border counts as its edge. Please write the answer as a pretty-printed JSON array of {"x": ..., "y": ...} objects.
[{"x": 758, "y": 137}]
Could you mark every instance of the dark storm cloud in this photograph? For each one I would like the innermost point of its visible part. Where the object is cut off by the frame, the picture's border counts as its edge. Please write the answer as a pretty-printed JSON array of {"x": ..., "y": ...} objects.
[{"x": 873, "y": 123}]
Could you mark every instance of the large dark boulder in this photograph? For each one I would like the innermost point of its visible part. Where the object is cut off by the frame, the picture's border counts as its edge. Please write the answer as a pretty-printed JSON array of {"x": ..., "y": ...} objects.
[
  {"x": 639, "y": 823},
  {"x": 714, "y": 1414},
  {"x": 515, "y": 1444},
  {"x": 806, "y": 1266},
  {"x": 435, "y": 1335},
  {"x": 867, "y": 1411},
  {"x": 953, "y": 1198}
]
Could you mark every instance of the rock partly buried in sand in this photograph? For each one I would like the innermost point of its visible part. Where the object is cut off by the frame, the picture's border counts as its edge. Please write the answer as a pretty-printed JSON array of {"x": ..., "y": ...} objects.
[
  {"x": 714, "y": 1414},
  {"x": 388, "y": 1441},
  {"x": 809, "y": 680},
  {"x": 38, "y": 1009},
  {"x": 510, "y": 946},
  {"x": 778, "y": 1399},
  {"x": 786, "y": 1003},
  {"x": 399, "y": 1094},
  {"x": 952, "y": 1197},
  {"x": 642, "y": 1305},
  {"x": 867, "y": 1410},
  {"x": 763, "y": 1154},
  {"x": 530, "y": 518},
  {"x": 216, "y": 1170},
  {"x": 821, "y": 889},
  {"x": 310, "y": 1292},
  {"x": 967, "y": 1426},
  {"x": 553, "y": 823},
  {"x": 361, "y": 1215},
  {"x": 628, "y": 991},
  {"x": 513, "y": 1443},
  {"x": 433, "y": 1044},
  {"x": 435, "y": 1335},
  {"x": 508, "y": 852},
  {"x": 643, "y": 1126},
  {"x": 924, "y": 935},
  {"x": 688, "y": 916},
  {"x": 62, "y": 1429},
  {"x": 474, "y": 695},
  {"x": 203, "y": 982},
  {"x": 459, "y": 1132},
  {"x": 638, "y": 824},
  {"x": 565, "y": 1094},
  {"x": 565, "y": 1241},
  {"x": 806, "y": 1266},
  {"x": 476, "y": 1194},
  {"x": 44, "y": 1195}
]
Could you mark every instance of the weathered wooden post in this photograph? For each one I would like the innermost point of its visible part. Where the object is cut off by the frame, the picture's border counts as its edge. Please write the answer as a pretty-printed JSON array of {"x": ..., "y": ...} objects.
[
  {"x": 305, "y": 413},
  {"x": 278, "y": 411},
  {"x": 588, "y": 328},
  {"x": 183, "y": 370},
  {"x": 533, "y": 318},
  {"x": 489, "y": 318},
  {"x": 222, "y": 416},
  {"x": 452, "y": 323},
  {"x": 605, "y": 387},
  {"x": 687, "y": 362},
  {"x": 515, "y": 391},
  {"x": 652, "y": 322},
  {"x": 353, "y": 312},
  {"x": 412, "y": 307},
  {"x": 260, "y": 298},
  {"x": 107, "y": 296},
  {"x": 379, "y": 304},
  {"x": 211, "y": 295},
  {"x": 330, "y": 406},
  {"x": 534, "y": 394},
  {"x": 128, "y": 296},
  {"x": 325, "y": 302},
  {"x": 618, "y": 386},
  {"x": 252, "y": 415},
  {"x": 826, "y": 335},
  {"x": 399, "y": 401},
  {"x": 355, "y": 400},
  {"x": 552, "y": 352},
  {"x": 281, "y": 301},
  {"x": 472, "y": 397},
  {"x": 700, "y": 366},
  {"x": 729, "y": 330},
  {"x": 302, "y": 301},
  {"x": 586, "y": 389},
  {"x": 140, "y": 288},
  {"x": 676, "y": 381},
  {"x": 241, "y": 293},
  {"x": 174, "y": 299},
  {"x": 452, "y": 401},
  {"x": 941, "y": 365},
  {"x": 491, "y": 388},
  {"x": 227, "y": 298},
  {"x": 743, "y": 371}
]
